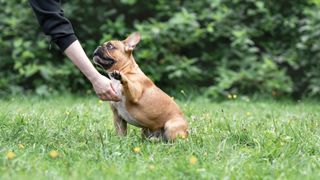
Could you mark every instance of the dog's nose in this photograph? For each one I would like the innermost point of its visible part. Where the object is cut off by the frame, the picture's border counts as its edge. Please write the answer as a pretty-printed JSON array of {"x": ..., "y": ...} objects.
[{"x": 96, "y": 52}]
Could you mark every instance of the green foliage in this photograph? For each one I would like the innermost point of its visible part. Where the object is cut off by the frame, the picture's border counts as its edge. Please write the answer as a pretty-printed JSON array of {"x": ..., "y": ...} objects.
[
  {"x": 218, "y": 47},
  {"x": 230, "y": 140}
]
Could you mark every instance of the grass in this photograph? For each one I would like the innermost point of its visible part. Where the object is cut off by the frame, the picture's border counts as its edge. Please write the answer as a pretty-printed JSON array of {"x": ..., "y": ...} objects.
[{"x": 234, "y": 139}]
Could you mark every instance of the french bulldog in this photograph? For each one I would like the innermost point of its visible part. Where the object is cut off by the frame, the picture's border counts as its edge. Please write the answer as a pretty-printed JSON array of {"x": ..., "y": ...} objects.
[{"x": 142, "y": 103}]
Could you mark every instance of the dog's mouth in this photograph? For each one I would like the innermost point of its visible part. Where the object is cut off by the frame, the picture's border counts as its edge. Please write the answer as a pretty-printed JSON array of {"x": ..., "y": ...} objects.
[{"x": 102, "y": 60}]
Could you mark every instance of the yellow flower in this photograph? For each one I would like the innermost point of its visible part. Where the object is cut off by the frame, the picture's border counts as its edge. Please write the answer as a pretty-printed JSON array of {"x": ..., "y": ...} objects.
[
  {"x": 234, "y": 96},
  {"x": 10, "y": 155},
  {"x": 230, "y": 96},
  {"x": 193, "y": 160},
  {"x": 205, "y": 154},
  {"x": 100, "y": 102},
  {"x": 136, "y": 149},
  {"x": 67, "y": 113},
  {"x": 182, "y": 136},
  {"x": 21, "y": 146},
  {"x": 248, "y": 113},
  {"x": 54, "y": 154}
]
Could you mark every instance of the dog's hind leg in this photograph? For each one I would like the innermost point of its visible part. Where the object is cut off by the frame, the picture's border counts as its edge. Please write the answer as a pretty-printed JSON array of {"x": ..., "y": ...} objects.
[
  {"x": 152, "y": 135},
  {"x": 175, "y": 128}
]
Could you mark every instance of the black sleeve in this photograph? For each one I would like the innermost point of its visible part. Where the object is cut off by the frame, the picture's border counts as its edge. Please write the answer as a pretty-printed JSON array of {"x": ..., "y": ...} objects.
[{"x": 53, "y": 23}]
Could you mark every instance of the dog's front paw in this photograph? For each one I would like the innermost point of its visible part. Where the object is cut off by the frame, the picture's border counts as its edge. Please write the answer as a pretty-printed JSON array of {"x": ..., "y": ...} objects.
[{"x": 116, "y": 75}]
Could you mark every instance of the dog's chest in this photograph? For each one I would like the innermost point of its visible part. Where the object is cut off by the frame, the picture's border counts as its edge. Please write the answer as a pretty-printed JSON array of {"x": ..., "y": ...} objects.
[{"x": 120, "y": 106}]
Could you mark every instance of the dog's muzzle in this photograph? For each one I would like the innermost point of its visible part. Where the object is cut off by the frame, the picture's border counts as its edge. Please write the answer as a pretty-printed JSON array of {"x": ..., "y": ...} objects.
[{"x": 102, "y": 60}]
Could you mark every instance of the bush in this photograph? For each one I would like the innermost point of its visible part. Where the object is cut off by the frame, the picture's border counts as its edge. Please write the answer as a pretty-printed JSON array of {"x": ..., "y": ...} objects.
[{"x": 214, "y": 46}]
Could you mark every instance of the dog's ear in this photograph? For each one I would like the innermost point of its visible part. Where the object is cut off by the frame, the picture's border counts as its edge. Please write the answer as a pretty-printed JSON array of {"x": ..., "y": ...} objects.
[{"x": 131, "y": 41}]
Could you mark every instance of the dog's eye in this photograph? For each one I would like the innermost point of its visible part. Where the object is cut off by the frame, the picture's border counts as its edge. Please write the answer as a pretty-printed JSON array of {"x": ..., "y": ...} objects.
[{"x": 110, "y": 46}]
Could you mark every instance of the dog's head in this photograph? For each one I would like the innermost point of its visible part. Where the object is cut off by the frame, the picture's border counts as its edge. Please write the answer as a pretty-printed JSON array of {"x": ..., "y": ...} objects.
[{"x": 114, "y": 54}]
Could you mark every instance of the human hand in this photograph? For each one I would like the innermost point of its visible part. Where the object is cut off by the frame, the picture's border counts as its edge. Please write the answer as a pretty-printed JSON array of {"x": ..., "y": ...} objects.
[{"x": 104, "y": 89}]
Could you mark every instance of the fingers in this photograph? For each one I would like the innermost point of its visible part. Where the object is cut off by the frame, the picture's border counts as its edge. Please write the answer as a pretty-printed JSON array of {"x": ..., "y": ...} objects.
[
  {"x": 109, "y": 95},
  {"x": 104, "y": 89},
  {"x": 113, "y": 95},
  {"x": 111, "y": 86}
]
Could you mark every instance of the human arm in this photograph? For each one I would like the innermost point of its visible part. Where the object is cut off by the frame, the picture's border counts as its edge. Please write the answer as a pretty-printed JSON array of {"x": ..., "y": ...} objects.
[{"x": 54, "y": 24}]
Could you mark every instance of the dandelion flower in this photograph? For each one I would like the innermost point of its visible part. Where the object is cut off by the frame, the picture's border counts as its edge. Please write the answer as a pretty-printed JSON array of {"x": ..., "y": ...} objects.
[
  {"x": 234, "y": 96},
  {"x": 100, "y": 102},
  {"x": 21, "y": 146},
  {"x": 54, "y": 154},
  {"x": 229, "y": 96},
  {"x": 137, "y": 149},
  {"x": 193, "y": 160},
  {"x": 10, "y": 155},
  {"x": 182, "y": 136},
  {"x": 248, "y": 113},
  {"x": 67, "y": 113}
]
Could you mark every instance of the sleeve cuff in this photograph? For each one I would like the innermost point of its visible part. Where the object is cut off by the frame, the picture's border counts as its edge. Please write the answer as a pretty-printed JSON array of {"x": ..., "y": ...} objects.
[{"x": 64, "y": 42}]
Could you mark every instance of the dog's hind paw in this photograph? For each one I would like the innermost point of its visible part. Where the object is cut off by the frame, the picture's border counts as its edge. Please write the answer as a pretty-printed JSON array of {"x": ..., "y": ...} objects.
[{"x": 116, "y": 75}]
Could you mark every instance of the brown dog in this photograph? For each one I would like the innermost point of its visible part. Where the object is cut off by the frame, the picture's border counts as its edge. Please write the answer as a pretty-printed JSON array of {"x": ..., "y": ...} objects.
[{"x": 142, "y": 103}]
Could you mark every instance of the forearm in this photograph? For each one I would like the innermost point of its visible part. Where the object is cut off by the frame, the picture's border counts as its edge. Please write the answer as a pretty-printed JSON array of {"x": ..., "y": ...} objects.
[{"x": 77, "y": 55}]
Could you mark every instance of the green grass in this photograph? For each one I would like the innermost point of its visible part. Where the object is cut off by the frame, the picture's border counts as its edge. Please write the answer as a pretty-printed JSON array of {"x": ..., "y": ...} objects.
[{"x": 234, "y": 139}]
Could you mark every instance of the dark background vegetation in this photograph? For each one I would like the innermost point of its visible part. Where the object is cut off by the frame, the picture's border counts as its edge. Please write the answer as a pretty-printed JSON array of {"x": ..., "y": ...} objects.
[{"x": 213, "y": 47}]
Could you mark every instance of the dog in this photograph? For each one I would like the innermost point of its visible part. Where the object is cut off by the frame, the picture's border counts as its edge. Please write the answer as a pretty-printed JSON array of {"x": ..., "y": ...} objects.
[{"x": 142, "y": 103}]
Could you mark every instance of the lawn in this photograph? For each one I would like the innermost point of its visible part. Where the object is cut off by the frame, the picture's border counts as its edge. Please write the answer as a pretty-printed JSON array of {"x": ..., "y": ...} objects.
[{"x": 72, "y": 137}]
